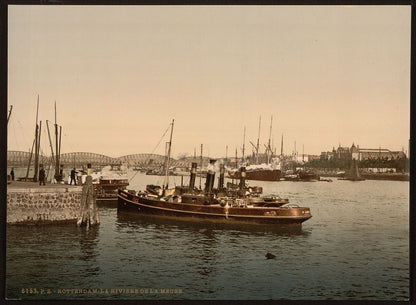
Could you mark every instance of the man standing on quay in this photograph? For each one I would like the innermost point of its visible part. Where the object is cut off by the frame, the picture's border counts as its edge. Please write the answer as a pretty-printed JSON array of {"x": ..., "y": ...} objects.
[
  {"x": 73, "y": 172},
  {"x": 41, "y": 176}
]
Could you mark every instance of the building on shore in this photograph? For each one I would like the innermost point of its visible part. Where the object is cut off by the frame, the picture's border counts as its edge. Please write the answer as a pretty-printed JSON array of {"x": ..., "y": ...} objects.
[
  {"x": 357, "y": 153},
  {"x": 370, "y": 159}
]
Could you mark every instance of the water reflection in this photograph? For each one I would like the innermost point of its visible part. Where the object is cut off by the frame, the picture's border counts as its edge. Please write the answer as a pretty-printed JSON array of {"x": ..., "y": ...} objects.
[
  {"x": 50, "y": 256},
  {"x": 329, "y": 258},
  {"x": 125, "y": 220},
  {"x": 207, "y": 246},
  {"x": 107, "y": 204},
  {"x": 88, "y": 240}
]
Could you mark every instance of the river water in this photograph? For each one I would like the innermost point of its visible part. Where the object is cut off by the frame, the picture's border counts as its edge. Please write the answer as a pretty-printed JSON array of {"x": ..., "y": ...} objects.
[{"x": 355, "y": 247}]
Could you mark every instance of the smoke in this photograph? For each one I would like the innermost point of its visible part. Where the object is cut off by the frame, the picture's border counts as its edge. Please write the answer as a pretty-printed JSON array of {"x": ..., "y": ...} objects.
[{"x": 214, "y": 167}]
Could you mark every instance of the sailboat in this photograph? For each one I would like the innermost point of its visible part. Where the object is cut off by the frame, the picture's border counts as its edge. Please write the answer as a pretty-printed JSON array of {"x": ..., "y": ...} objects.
[{"x": 353, "y": 174}]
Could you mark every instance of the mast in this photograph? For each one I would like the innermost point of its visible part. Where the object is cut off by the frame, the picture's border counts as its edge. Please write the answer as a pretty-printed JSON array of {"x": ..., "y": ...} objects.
[
  {"x": 269, "y": 148},
  {"x": 30, "y": 159},
  {"x": 236, "y": 160},
  {"x": 200, "y": 172},
  {"x": 244, "y": 144},
  {"x": 10, "y": 113},
  {"x": 166, "y": 158},
  {"x": 35, "y": 176},
  {"x": 258, "y": 143},
  {"x": 50, "y": 141},
  {"x": 57, "y": 149},
  {"x": 59, "y": 152},
  {"x": 303, "y": 153},
  {"x": 281, "y": 147},
  {"x": 40, "y": 132},
  {"x": 165, "y": 184}
]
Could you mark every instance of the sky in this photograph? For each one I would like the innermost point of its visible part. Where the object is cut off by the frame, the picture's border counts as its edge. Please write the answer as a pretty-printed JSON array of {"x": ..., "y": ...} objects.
[{"x": 320, "y": 76}]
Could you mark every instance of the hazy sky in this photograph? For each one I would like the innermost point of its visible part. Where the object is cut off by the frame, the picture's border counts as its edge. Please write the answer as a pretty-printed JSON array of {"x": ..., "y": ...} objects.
[{"x": 328, "y": 75}]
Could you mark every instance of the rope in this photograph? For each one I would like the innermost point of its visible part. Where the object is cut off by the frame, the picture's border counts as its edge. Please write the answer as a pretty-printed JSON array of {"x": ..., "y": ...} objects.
[{"x": 157, "y": 145}]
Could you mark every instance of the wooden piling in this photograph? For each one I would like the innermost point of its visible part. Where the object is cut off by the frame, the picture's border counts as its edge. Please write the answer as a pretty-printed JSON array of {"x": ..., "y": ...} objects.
[{"x": 89, "y": 210}]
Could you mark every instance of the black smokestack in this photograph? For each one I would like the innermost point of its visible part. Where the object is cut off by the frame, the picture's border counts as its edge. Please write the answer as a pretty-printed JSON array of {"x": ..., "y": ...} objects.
[
  {"x": 221, "y": 179},
  {"x": 242, "y": 179},
  {"x": 209, "y": 183},
  {"x": 193, "y": 176}
]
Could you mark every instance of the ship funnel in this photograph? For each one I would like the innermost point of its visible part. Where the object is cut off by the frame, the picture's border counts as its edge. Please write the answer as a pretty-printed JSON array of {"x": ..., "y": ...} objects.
[
  {"x": 209, "y": 183},
  {"x": 193, "y": 176},
  {"x": 221, "y": 179},
  {"x": 242, "y": 179}
]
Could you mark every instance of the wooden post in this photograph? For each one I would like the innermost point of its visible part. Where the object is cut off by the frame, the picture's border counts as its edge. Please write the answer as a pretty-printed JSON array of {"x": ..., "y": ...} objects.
[{"x": 89, "y": 210}]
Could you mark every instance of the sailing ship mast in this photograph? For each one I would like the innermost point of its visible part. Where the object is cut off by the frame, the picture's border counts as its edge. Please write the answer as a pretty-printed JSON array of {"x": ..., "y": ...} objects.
[
  {"x": 244, "y": 144},
  {"x": 258, "y": 143},
  {"x": 200, "y": 170},
  {"x": 10, "y": 113},
  {"x": 35, "y": 176},
  {"x": 303, "y": 153},
  {"x": 57, "y": 148},
  {"x": 35, "y": 146},
  {"x": 50, "y": 141},
  {"x": 282, "y": 159},
  {"x": 30, "y": 160},
  {"x": 37, "y": 155},
  {"x": 269, "y": 148},
  {"x": 165, "y": 184},
  {"x": 257, "y": 146},
  {"x": 236, "y": 160}
]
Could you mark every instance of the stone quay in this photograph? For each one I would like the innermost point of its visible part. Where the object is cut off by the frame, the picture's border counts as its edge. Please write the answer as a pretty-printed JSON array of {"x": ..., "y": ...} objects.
[{"x": 31, "y": 203}]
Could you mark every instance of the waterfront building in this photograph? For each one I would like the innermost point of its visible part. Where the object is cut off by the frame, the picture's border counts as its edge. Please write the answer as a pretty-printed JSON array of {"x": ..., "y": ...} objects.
[
  {"x": 370, "y": 159},
  {"x": 379, "y": 153},
  {"x": 343, "y": 153},
  {"x": 357, "y": 153}
]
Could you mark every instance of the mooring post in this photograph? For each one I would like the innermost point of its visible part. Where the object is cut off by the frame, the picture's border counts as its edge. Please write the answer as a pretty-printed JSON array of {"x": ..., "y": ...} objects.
[{"x": 89, "y": 210}]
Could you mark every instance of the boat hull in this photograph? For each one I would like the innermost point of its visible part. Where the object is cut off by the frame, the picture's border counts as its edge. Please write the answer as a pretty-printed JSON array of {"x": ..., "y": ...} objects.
[
  {"x": 107, "y": 188},
  {"x": 259, "y": 175},
  {"x": 286, "y": 216}
]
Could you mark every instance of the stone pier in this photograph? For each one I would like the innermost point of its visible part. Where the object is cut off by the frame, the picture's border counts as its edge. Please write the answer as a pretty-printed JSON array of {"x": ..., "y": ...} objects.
[{"x": 29, "y": 203}]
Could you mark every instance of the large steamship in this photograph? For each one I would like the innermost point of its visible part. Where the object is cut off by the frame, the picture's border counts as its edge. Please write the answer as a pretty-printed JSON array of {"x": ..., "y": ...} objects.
[{"x": 257, "y": 173}]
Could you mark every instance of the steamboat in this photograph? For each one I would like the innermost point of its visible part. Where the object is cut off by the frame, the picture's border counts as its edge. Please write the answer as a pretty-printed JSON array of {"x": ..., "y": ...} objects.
[{"x": 221, "y": 204}]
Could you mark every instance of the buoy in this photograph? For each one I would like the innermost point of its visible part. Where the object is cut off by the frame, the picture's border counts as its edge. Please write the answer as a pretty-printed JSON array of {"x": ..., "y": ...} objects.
[{"x": 270, "y": 256}]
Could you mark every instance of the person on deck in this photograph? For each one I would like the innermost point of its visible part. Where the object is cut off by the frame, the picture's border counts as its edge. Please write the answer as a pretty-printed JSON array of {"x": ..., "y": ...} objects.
[
  {"x": 12, "y": 174},
  {"x": 73, "y": 177},
  {"x": 42, "y": 176}
]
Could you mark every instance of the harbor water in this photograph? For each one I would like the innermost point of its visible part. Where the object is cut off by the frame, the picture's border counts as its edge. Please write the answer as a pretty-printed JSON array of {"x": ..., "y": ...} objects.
[{"x": 355, "y": 247}]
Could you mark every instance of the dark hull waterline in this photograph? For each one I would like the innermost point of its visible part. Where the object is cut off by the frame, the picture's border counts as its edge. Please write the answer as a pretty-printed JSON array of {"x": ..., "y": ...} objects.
[
  {"x": 287, "y": 216},
  {"x": 258, "y": 175}
]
